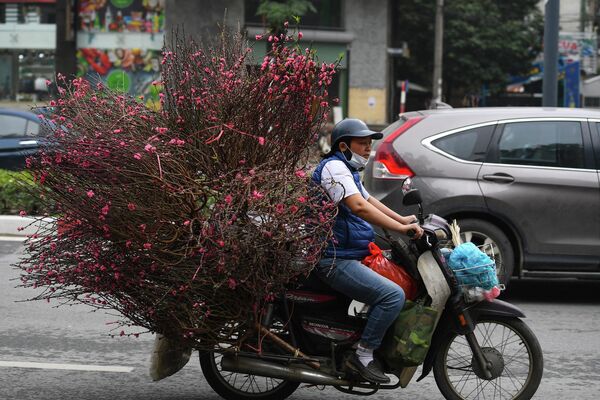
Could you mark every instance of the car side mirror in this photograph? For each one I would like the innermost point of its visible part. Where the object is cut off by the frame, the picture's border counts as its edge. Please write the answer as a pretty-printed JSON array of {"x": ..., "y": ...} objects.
[{"x": 412, "y": 197}]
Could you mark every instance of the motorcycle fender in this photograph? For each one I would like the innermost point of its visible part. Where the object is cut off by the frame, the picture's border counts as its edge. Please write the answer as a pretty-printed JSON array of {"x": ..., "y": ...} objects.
[{"x": 446, "y": 326}]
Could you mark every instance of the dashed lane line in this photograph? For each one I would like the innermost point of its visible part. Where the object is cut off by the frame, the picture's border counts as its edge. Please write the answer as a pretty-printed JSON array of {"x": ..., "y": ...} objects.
[{"x": 70, "y": 367}]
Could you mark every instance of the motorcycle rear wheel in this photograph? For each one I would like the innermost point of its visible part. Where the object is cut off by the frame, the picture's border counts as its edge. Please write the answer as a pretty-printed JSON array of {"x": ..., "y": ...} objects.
[
  {"x": 238, "y": 386},
  {"x": 234, "y": 386},
  {"x": 510, "y": 345}
]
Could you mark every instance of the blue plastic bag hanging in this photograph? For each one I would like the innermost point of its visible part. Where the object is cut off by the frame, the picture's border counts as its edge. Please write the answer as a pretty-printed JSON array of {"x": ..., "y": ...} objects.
[{"x": 473, "y": 267}]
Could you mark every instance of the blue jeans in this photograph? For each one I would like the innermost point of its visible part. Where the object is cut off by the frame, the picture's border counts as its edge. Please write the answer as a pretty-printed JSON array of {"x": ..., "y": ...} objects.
[{"x": 361, "y": 283}]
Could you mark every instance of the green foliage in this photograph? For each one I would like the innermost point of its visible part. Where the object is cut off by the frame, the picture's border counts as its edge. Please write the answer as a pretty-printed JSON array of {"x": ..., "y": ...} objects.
[
  {"x": 485, "y": 41},
  {"x": 278, "y": 12},
  {"x": 16, "y": 193}
]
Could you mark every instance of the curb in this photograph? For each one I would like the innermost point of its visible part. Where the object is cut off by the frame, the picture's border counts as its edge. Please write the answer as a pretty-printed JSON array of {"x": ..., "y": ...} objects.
[{"x": 9, "y": 225}]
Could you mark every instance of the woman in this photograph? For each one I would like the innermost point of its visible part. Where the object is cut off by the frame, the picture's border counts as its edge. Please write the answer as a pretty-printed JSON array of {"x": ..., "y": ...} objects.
[{"x": 341, "y": 267}]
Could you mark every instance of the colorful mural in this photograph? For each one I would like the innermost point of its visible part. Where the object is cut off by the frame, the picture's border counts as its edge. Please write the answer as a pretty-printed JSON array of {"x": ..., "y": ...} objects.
[
  {"x": 122, "y": 16},
  {"x": 126, "y": 70},
  {"x": 129, "y": 70}
]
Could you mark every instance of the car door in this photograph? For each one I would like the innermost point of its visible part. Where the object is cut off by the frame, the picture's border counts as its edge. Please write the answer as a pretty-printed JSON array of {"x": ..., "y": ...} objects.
[
  {"x": 540, "y": 176},
  {"x": 18, "y": 140}
]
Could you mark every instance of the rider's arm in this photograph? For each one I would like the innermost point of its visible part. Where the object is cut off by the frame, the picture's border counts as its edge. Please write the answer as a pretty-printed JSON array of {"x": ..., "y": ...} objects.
[
  {"x": 367, "y": 211},
  {"x": 390, "y": 213}
]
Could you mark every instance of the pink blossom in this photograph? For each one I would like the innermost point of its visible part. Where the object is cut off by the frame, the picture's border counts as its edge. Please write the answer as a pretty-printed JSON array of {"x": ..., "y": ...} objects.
[
  {"x": 147, "y": 246},
  {"x": 261, "y": 140},
  {"x": 131, "y": 206},
  {"x": 221, "y": 243},
  {"x": 105, "y": 209},
  {"x": 258, "y": 37},
  {"x": 118, "y": 131},
  {"x": 300, "y": 173},
  {"x": 280, "y": 208},
  {"x": 257, "y": 195},
  {"x": 90, "y": 193},
  {"x": 294, "y": 209},
  {"x": 137, "y": 156},
  {"x": 128, "y": 243},
  {"x": 143, "y": 227},
  {"x": 231, "y": 283},
  {"x": 161, "y": 130},
  {"x": 228, "y": 199},
  {"x": 22, "y": 213},
  {"x": 186, "y": 222},
  {"x": 300, "y": 35},
  {"x": 149, "y": 148},
  {"x": 48, "y": 82},
  {"x": 177, "y": 142},
  {"x": 302, "y": 199}
]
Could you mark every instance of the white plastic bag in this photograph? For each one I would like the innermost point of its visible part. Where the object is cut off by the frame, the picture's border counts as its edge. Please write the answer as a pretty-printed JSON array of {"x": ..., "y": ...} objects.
[{"x": 167, "y": 358}]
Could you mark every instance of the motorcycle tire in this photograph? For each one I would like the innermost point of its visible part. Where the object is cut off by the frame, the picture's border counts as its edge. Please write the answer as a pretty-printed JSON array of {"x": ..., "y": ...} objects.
[
  {"x": 248, "y": 386},
  {"x": 238, "y": 386},
  {"x": 502, "y": 340}
]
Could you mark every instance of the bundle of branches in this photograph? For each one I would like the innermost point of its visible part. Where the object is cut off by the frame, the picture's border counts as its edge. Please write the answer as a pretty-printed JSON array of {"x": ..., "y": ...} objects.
[{"x": 186, "y": 220}]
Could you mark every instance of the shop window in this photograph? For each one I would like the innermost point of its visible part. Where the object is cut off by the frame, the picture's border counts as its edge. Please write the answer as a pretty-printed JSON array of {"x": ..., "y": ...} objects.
[{"x": 328, "y": 15}]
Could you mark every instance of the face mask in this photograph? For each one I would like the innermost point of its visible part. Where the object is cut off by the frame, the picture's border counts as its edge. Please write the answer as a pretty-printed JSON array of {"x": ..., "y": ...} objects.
[{"x": 355, "y": 161}]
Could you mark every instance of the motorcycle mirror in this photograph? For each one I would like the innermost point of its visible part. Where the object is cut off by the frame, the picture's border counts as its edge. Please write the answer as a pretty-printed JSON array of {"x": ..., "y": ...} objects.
[
  {"x": 406, "y": 185},
  {"x": 412, "y": 197}
]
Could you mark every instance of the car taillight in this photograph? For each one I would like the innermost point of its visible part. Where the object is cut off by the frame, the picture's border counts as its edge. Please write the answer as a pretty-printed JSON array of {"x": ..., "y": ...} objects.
[{"x": 387, "y": 163}]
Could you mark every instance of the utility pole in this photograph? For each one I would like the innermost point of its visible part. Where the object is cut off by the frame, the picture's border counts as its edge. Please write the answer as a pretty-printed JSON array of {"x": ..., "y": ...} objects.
[
  {"x": 438, "y": 51},
  {"x": 66, "y": 43},
  {"x": 582, "y": 16},
  {"x": 550, "y": 88}
]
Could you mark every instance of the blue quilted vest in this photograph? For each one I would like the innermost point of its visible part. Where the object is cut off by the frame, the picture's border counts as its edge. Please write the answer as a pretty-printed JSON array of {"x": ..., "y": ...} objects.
[{"x": 352, "y": 234}]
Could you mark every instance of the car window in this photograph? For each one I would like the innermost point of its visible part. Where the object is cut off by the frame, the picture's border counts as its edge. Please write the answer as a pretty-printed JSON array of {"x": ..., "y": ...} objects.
[
  {"x": 469, "y": 145},
  {"x": 543, "y": 143},
  {"x": 11, "y": 125},
  {"x": 33, "y": 128}
]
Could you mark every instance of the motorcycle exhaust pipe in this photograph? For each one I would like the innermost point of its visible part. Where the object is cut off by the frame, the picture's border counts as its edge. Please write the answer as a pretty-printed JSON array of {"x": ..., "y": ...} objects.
[{"x": 295, "y": 373}]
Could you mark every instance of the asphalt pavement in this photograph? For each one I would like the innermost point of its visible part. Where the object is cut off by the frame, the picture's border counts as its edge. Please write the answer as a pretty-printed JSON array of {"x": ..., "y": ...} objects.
[{"x": 37, "y": 340}]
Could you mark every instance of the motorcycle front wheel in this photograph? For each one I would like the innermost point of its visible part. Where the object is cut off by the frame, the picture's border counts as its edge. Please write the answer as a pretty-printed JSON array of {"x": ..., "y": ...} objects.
[{"x": 511, "y": 347}]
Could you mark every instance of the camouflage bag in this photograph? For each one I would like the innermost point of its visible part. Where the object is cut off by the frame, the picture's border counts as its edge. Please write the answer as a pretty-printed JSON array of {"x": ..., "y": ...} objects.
[{"x": 407, "y": 341}]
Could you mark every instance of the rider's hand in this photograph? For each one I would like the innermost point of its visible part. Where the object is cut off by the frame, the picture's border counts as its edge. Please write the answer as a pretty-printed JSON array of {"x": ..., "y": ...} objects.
[
  {"x": 409, "y": 219},
  {"x": 416, "y": 229}
]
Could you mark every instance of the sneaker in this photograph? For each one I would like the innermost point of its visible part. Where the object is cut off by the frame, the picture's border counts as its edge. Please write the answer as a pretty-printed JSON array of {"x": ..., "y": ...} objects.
[{"x": 371, "y": 372}]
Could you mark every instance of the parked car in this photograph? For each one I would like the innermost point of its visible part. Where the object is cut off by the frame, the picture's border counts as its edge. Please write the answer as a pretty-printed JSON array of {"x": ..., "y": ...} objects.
[
  {"x": 20, "y": 135},
  {"x": 523, "y": 180}
]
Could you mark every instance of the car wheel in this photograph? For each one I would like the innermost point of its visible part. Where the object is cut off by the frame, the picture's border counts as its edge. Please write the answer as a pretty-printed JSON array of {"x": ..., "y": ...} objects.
[{"x": 495, "y": 242}]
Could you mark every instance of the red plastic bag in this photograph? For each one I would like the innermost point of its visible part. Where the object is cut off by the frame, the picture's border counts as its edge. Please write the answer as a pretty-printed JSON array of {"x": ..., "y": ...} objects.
[{"x": 384, "y": 267}]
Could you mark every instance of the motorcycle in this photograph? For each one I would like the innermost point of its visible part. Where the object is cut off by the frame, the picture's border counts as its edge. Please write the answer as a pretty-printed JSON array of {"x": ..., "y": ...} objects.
[{"x": 479, "y": 349}]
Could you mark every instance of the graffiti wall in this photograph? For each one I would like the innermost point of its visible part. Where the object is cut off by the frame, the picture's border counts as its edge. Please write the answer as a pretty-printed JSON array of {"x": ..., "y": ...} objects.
[
  {"x": 122, "y": 15},
  {"x": 126, "y": 70},
  {"x": 129, "y": 70}
]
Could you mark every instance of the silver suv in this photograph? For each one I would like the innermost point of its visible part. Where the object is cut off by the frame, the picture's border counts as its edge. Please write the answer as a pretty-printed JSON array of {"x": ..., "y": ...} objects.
[{"x": 523, "y": 180}]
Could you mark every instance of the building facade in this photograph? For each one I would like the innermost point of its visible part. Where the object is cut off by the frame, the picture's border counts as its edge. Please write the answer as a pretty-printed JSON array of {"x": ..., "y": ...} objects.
[
  {"x": 354, "y": 29},
  {"x": 27, "y": 47}
]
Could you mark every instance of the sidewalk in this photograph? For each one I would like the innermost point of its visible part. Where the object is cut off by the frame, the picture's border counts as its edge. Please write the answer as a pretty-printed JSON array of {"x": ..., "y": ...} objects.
[
  {"x": 10, "y": 224},
  {"x": 19, "y": 105}
]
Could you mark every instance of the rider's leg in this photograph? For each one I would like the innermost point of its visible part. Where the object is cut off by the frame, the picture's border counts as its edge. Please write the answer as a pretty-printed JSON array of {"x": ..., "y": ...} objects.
[{"x": 361, "y": 283}]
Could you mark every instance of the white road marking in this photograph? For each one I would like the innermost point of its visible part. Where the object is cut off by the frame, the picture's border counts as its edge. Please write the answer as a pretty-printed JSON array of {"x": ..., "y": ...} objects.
[
  {"x": 71, "y": 367},
  {"x": 12, "y": 238}
]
